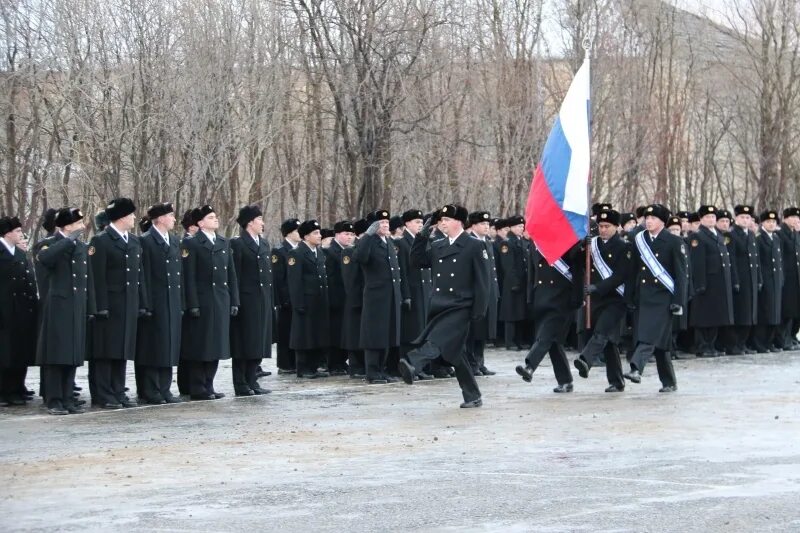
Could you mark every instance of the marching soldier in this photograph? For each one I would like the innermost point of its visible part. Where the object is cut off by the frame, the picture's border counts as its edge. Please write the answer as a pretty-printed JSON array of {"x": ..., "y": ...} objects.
[
  {"x": 605, "y": 283},
  {"x": 308, "y": 292},
  {"x": 744, "y": 258},
  {"x": 790, "y": 301},
  {"x": 714, "y": 283},
  {"x": 380, "y": 317},
  {"x": 766, "y": 337},
  {"x": 460, "y": 268},
  {"x": 555, "y": 299},
  {"x": 158, "y": 343},
  {"x": 212, "y": 298},
  {"x": 69, "y": 303},
  {"x": 486, "y": 328},
  {"x": 658, "y": 293},
  {"x": 251, "y": 328},
  {"x": 353, "y": 280},
  {"x": 513, "y": 303},
  {"x": 342, "y": 239},
  {"x": 280, "y": 254},
  {"x": 116, "y": 258},
  {"x": 18, "y": 312}
]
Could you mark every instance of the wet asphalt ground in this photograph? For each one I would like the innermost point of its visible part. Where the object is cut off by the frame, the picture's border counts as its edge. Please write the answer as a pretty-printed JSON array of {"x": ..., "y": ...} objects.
[{"x": 721, "y": 454}]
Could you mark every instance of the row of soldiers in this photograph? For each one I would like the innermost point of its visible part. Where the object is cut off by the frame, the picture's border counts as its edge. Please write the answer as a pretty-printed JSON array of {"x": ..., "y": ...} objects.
[{"x": 340, "y": 308}]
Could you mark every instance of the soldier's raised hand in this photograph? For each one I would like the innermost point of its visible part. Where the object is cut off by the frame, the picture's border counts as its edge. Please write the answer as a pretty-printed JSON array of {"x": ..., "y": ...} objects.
[{"x": 373, "y": 228}]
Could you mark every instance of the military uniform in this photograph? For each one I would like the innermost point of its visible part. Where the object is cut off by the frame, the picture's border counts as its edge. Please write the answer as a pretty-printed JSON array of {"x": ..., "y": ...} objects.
[
  {"x": 712, "y": 304},
  {"x": 286, "y": 358},
  {"x": 655, "y": 303},
  {"x": 158, "y": 343},
  {"x": 461, "y": 295},
  {"x": 251, "y": 329},
  {"x": 353, "y": 279},
  {"x": 608, "y": 306},
  {"x": 308, "y": 291},
  {"x": 743, "y": 252},
  {"x": 18, "y": 323},
  {"x": 485, "y": 329},
  {"x": 184, "y": 367},
  {"x": 336, "y": 298},
  {"x": 766, "y": 336},
  {"x": 380, "y": 316},
  {"x": 70, "y": 300},
  {"x": 211, "y": 290},
  {"x": 413, "y": 315},
  {"x": 556, "y": 296},
  {"x": 790, "y": 300},
  {"x": 513, "y": 302}
]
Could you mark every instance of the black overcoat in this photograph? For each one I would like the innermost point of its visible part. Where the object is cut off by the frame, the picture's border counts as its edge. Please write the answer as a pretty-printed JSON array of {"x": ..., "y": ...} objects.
[
  {"x": 353, "y": 279},
  {"x": 308, "y": 290},
  {"x": 608, "y": 305},
  {"x": 514, "y": 264},
  {"x": 18, "y": 310},
  {"x": 744, "y": 256},
  {"x": 69, "y": 302},
  {"x": 769, "y": 299},
  {"x": 790, "y": 248},
  {"x": 251, "y": 329},
  {"x": 713, "y": 279},
  {"x": 336, "y": 294},
  {"x": 486, "y": 328},
  {"x": 158, "y": 342},
  {"x": 119, "y": 289},
  {"x": 412, "y": 319},
  {"x": 380, "y": 314},
  {"x": 210, "y": 285}
]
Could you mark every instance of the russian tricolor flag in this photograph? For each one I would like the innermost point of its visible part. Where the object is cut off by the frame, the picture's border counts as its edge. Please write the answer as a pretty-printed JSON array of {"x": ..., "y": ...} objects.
[{"x": 557, "y": 211}]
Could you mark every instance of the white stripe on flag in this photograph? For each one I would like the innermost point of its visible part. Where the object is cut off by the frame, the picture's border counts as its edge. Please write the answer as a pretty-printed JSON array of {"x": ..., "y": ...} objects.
[{"x": 574, "y": 117}]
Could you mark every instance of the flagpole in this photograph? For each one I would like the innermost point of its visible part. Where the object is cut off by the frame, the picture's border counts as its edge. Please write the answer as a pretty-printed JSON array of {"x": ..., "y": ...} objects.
[{"x": 587, "y": 48}]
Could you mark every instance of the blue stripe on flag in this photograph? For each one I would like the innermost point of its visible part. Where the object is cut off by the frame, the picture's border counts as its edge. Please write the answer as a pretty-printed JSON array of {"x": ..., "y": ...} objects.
[{"x": 555, "y": 163}]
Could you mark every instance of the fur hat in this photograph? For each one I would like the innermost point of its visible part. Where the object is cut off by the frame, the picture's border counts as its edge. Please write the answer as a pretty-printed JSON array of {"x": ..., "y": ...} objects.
[
  {"x": 247, "y": 214},
  {"x": 308, "y": 227},
  {"x": 159, "y": 210},
  {"x": 67, "y": 216},
  {"x": 119, "y": 208},
  {"x": 289, "y": 225}
]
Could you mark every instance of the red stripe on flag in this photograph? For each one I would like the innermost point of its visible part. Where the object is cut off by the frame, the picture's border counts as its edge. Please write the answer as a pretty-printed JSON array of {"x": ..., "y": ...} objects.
[{"x": 546, "y": 222}]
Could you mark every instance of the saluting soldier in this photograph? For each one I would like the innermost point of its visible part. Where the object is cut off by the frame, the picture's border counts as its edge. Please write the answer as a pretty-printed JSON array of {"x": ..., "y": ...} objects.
[
  {"x": 48, "y": 223},
  {"x": 116, "y": 258},
  {"x": 308, "y": 291},
  {"x": 353, "y": 279},
  {"x": 69, "y": 303},
  {"x": 460, "y": 268},
  {"x": 556, "y": 296},
  {"x": 212, "y": 298},
  {"x": 514, "y": 265},
  {"x": 342, "y": 239},
  {"x": 380, "y": 316},
  {"x": 280, "y": 254},
  {"x": 413, "y": 316},
  {"x": 790, "y": 301},
  {"x": 189, "y": 223},
  {"x": 743, "y": 250},
  {"x": 658, "y": 293},
  {"x": 714, "y": 283},
  {"x": 605, "y": 283},
  {"x": 158, "y": 342},
  {"x": 18, "y": 312},
  {"x": 484, "y": 329},
  {"x": 767, "y": 337},
  {"x": 251, "y": 329}
]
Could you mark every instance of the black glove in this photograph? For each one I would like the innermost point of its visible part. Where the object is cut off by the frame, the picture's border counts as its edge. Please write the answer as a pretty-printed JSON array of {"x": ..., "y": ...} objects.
[
  {"x": 90, "y": 318},
  {"x": 194, "y": 312},
  {"x": 373, "y": 228},
  {"x": 73, "y": 235},
  {"x": 631, "y": 307},
  {"x": 102, "y": 315},
  {"x": 589, "y": 289},
  {"x": 675, "y": 309},
  {"x": 736, "y": 289},
  {"x": 234, "y": 310},
  {"x": 426, "y": 228},
  {"x": 301, "y": 310},
  {"x": 143, "y": 313},
  {"x": 407, "y": 304},
  {"x": 701, "y": 290},
  {"x": 516, "y": 288},
  {"x": 760, "y": 286}
]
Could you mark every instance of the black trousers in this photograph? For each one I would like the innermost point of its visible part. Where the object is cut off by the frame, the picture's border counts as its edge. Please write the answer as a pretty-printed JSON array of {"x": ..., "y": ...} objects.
[
  {"x": 337, "y": 359},
  {"x": 12, "y": 383},
  {"x": 109, "y": 380},
  {"x": 244, "y": 374},
  {"x": 183, "y": 376},
  {"x": 765, "y": 338},
  {"x": 789, "y": 329},
  {"x": 550, "y": 340},
  {"x": 466, "y": 380},
  {"x": 286, "y": 357},
  {"x": 599, "y": 344},
  {"x": 308, "y": 361},
  {"x": 735, "y": 338},
  {"x": 473, "y": 351},
  {"x": 201, "y": 377},
  {"x": 643, "y": 353},
  {"x": 59, "y": 382},
  {"x": 374, "y": 363},
  {"x": 705, "y": 339},
  {"x": 154, "y": 382},
  {"x": 390, "y": 362},
  {"x": 357, "y": 364},
  {"x": 515, "y": 333}
]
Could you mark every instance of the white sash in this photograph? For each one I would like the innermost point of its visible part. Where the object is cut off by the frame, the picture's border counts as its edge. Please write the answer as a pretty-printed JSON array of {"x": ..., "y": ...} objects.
[
  {"x": 602, "y": 267},
  {"x": 652, "y": 263}
]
